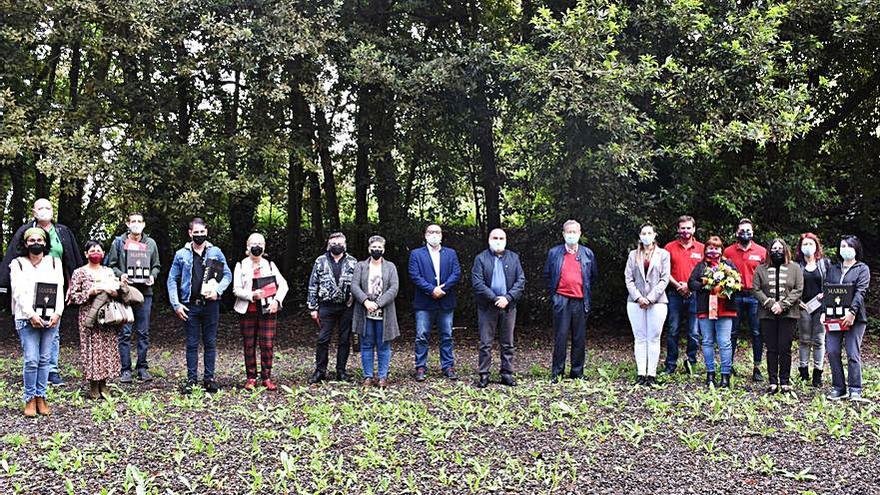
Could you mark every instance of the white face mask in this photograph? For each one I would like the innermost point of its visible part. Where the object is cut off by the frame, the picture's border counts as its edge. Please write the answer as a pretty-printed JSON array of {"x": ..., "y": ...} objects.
[
  {"x": 647, "y": 239},
  {"x": 136, "y": 228},
  {"x": 847, "y": 253},
  {"x": 571, "y": 239},
  {"x": 808, "y": 250},
  {"x": 433, "y": 240},
  {"x": 497, "y": 245},
  {"x": 44, "y": 215}
]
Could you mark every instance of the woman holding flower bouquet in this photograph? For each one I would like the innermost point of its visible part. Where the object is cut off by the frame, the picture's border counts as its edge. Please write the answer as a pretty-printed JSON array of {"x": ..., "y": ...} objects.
[
  {"x": 715, "y": 280},
  {"x": 777, "y": 286}
]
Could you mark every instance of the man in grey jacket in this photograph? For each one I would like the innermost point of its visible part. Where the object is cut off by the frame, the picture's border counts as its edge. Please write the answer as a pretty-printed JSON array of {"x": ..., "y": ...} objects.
[{"x": 498, "y": 281}]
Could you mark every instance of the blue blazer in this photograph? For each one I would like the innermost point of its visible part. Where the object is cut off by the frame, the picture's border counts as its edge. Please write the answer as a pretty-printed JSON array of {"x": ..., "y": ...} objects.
[
  {"x": 553, "y": 269},
  {"x": 421, "y": 272}
]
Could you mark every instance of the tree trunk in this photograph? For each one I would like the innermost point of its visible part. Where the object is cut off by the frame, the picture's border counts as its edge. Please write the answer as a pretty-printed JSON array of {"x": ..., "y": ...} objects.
[
  {"x": 484, "y": 139},
  {"x": 323, "y": 144},
  {"x": 293, "y": 233},
  {"x": 362, "y": 160},
  {"x": 315, "y": 207},
  {"x": 70, "y": 197}
]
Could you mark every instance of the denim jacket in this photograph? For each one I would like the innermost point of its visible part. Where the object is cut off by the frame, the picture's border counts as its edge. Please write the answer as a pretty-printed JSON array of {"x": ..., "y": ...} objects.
[{"x": 180, "y": 276}]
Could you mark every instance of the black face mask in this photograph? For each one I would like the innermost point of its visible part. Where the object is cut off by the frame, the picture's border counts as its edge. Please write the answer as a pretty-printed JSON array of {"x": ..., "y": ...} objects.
[
  {"x": 200, "y": 239},
  {"x": 256, "y": 250},
  {"x": 36, "y": 249},
  {"x": 744, "y": 237},
  {"x": 337, "y": 249},
  {"x": 376, "y": 253},
  {"x": 777, "y": 258}
]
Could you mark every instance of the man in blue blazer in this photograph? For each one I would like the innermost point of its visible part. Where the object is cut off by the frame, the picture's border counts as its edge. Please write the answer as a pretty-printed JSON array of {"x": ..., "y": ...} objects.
[
  {"x": 434, "y": 271},
  {"x": 569, "y": 273}
]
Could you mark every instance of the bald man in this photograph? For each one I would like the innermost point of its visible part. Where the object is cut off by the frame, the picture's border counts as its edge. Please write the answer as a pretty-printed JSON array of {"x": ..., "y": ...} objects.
[
  {"x": 498, "y": 281},
  {"x": 63, "y": 247}
]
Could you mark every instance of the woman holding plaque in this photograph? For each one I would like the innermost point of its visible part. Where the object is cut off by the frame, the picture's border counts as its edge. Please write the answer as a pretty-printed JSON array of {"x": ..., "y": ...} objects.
[
  {"x": 259, "y": 290},
  {"x": 853, "y": 272},
  {"x": 36, "y": 282},
  {"x": 374, "y": 286},
  {"x": 777, "y": 286},
  {"x": 811, "y": 333},
  {"x": 714, "y": 280},
  {"x": 92, "y": 286}
]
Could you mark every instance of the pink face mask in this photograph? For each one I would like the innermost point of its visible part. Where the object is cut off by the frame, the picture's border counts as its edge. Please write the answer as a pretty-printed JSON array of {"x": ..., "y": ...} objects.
[
  {"x": 96, "y": 258},
  {"x": 713, "y": 254}
]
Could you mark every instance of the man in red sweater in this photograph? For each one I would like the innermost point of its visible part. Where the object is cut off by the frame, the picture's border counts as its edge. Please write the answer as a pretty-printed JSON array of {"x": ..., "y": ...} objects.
[
  {"x": 685, "y": 253},
  {"x": 569, "y": 272},
  {"x": 747, "y": 255}
]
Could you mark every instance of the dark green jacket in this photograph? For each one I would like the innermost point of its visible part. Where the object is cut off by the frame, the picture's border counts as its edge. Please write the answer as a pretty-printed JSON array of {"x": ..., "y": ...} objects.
[{"x": 117, "y": 259}]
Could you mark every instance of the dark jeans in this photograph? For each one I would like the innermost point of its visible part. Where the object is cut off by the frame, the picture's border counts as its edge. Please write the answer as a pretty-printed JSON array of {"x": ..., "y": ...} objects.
[
  {"x": 681, "y": 310},
  {"x": 333, "y": 315},
  {"x": 141, "y": 328},
  {"x": 569, "y": 318},
  {"x": 491, "y": 321},
  {"x": 747, "y": 310},
  {"x": 201, "y": 325},
  {"x": 852, "y": 339},
  {"x": 778, "y": 334}
]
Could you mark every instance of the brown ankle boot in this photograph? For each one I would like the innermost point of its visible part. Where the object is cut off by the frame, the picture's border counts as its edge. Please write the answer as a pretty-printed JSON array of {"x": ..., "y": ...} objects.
[
  {"x": 94, "y": 391},
  {"x": 30, "y": 409},
  {"x": 43, "y": 407},
  {"x": 103, "y": 389}
]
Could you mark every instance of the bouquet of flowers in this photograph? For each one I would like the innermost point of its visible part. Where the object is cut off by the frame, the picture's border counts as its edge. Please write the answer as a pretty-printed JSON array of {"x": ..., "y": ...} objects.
[{"x": 722, "y": 280}]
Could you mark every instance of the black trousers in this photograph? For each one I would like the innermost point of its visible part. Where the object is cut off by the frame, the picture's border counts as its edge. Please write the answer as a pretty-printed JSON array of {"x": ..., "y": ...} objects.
[
  {"x": 569, "y": 318},
  {"x": 778, "y": 333},
  {"x": 332, "y": 316},
  {"x": 494, "y": 321}
]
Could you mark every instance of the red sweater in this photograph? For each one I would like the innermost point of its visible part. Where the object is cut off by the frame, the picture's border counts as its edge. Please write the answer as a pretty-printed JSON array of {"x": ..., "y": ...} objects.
[{"x": 571, "y": 280}]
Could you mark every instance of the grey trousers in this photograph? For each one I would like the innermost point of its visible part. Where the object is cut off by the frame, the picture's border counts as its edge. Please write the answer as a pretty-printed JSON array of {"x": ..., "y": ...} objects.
[
  {"x": 852, "y": 339},
  {"x": 491, "y": 321},
  {"x": 811, "y": 340}
]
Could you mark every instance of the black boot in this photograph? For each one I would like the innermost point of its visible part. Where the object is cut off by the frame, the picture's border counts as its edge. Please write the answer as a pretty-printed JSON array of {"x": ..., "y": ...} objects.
[
  {"x": 483, "y": 381},
  {"x": 710, "y": 379},
  {"x": 640, "y": 380},
  {"x": 804, "y": 372},
  {"x": 725, "y": 380},
  {"x": 817, "y": 378}
]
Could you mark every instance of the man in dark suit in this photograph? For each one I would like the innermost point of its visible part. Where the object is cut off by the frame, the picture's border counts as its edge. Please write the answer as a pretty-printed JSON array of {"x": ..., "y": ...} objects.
[
  {"x": 498, "y": 281},
  {"x": 434, "y": 271}
]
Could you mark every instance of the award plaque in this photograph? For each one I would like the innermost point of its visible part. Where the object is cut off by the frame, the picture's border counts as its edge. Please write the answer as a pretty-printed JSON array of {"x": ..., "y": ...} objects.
[{"x": 838, "y": 298}]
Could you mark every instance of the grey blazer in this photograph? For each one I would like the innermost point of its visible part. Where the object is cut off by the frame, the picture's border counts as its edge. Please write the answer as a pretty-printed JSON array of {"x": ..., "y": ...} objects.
[
  {"x": 390, "y": 286},
  {"x": 651, "y": 284}
]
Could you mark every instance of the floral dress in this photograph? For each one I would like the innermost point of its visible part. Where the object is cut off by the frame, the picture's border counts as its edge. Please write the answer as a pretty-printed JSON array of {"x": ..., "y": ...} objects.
[{"x": 98, "y": 349}]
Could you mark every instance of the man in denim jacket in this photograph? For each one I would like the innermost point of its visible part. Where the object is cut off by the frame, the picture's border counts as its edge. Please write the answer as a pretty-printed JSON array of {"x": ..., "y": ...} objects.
[{"x": 199, "y": 309}]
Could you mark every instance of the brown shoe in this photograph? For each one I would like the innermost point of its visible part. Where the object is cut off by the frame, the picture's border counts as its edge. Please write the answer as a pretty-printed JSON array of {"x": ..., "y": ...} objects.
[
  {"x": 30, "y": 409},
  {"x": 43, "y": 407},
  {"x": 94, "y": 392},
  {"x": 103, "y": 390},
  {"x": 383, "y": 383},
  {"x": 368, "y": 382}
]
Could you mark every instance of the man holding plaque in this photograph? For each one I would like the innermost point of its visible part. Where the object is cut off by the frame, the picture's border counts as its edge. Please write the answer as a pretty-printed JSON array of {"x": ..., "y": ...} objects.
[
  {"x": 198, "y": 276},
  {"x": 259, "y": 290},
  {"x": 134, "y": 259},
  {"x": 845, "y": 291}
]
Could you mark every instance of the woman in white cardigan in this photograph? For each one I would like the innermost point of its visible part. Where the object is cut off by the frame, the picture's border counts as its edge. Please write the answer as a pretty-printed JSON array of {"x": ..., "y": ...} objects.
[
  {"x": 647, "y": 275},
  {"x": 258, "y": 305}
]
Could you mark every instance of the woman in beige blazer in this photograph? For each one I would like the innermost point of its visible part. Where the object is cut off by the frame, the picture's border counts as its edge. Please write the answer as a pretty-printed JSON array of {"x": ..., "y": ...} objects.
[{"x": 646, "y": 275}]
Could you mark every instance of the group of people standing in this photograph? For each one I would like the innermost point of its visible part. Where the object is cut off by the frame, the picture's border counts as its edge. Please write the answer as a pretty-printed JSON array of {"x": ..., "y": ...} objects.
[
  {"x": 665, "y": 287},
  {"x": 668, "y": 286}
]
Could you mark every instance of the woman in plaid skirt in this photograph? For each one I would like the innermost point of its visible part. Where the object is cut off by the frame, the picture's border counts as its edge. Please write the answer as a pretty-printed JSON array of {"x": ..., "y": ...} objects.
[{"x": 259, "y": 290}]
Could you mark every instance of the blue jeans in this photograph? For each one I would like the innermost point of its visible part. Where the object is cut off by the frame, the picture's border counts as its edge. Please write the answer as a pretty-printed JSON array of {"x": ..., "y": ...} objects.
[
  {"x": 681, "y": 308},
  {"x": 56, "y": 348},
  {"x": 747, "y": 310},
  {"x": 373, "y": 340},
  {"x": 851, "y": 340},
  {"x": 201, "y": 326},
  {"x": 142, "y": 330},
  {"x": 425, "y": 319},
  {"x": 36, "y": 346},
  {"x": 717, "y": 331}
]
